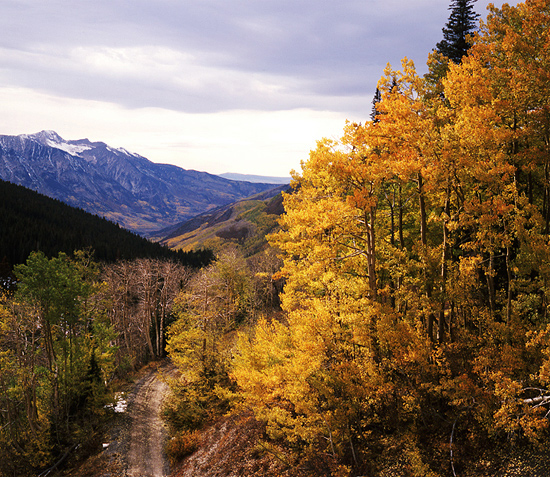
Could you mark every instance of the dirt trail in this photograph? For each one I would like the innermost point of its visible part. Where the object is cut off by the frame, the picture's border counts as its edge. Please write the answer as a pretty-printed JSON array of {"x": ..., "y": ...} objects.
[
  {"x": 147, "y": 433},
  {"x": 134, "y": 445}
]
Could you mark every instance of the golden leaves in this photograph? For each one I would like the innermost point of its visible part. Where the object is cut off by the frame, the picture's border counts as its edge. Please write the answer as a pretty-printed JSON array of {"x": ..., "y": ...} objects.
[{"x": 415, "y": 254}]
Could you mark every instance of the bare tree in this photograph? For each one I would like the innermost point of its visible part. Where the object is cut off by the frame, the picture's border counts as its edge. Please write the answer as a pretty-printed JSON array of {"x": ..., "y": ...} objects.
[{"x": 141, "y": 295}]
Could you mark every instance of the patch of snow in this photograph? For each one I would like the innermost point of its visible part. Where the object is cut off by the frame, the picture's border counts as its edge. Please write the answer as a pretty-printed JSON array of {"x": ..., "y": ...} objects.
[
  {"x": 72, "y": 149},
  {"x": 114, "y": 151},
  {"x": 122, "y": 150},
  {"x": 128, "y": 153},
  {"x": 121, "y": 403}
]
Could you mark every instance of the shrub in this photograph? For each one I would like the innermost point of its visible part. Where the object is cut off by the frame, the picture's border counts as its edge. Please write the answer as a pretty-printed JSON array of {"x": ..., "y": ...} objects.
[{"x": 181, "y": 445}]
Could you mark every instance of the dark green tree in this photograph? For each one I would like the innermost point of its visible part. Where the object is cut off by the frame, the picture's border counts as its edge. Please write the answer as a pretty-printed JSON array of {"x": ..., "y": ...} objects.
[
  {"x": 377, "y": 98},
  {"x": 462, "y": 22}
]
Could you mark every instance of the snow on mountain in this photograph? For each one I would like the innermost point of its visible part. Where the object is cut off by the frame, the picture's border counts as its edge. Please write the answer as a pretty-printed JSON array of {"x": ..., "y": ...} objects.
[
  {"x": 123, "y": 151},
  {"x": 52, "y": 139},
  {"x": 122, "y": 186},
  {"x": 70, "y": 148}
]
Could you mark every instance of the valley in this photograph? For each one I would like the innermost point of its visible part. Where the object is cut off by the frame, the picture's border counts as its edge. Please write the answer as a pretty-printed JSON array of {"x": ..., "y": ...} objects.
[
  {"x": 121, "y": 186},
  {"x": 243, "y": 223}
]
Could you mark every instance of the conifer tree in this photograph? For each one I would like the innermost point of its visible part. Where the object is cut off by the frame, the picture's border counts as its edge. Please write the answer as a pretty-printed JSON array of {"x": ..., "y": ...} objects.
[
  {"x": 462, "y": 22},
  {"x": 377, "y": 98}
]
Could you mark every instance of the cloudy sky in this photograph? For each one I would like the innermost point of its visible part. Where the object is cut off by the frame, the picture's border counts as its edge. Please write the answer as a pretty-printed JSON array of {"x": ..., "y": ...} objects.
[{"x": 244, "y": 86}]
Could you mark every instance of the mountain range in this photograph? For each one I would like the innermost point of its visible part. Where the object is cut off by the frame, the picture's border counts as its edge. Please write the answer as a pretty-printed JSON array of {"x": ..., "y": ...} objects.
[{"x": 119, "y": 185}]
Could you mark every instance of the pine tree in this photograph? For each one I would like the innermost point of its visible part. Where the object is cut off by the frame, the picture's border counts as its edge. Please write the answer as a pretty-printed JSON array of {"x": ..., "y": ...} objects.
[
  {"x": 377, "y": 98},
  {"x": 462, "y": 22}
]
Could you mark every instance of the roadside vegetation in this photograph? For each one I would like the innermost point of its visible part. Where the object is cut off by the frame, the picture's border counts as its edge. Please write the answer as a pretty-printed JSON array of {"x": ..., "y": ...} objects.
[{"x": 68, "y": 330}]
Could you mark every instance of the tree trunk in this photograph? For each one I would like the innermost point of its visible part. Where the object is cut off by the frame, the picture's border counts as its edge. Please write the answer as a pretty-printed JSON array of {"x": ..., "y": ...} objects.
[
  {"x": 443, "y": 277},
  {"x": 422, "y": 205},
  {"x": 491, "y": 283},
  {"x": 401, "y": 236},
  {"x": 371, "y": 252},
  {"x": 424, "y": 241},
  {"x": 509, "y": 297},
  {"x": 430, "y": 327}
]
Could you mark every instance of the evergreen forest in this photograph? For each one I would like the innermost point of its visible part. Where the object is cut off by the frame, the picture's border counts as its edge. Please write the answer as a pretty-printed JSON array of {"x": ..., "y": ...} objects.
[{"x": 30, "y": 221}]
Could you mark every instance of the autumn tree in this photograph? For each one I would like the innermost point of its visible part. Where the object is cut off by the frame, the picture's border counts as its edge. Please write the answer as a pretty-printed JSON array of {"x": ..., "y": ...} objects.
[
  {"x": 157, "y": 283},
  {"x": 120, "y": 295},
  {"x": 415, "y": 252},
  {"x": 24, "y": 423},
  {"x": 265, "y": 285},
  {"x": 60, "y": 293},
  {"x": 56, "y": 349},
  {"x": 495, "y": 95},
  {"x": 141, "y": 295},
  {"x": 209, "y": 308},
  {"x": 318, "y": 381}
]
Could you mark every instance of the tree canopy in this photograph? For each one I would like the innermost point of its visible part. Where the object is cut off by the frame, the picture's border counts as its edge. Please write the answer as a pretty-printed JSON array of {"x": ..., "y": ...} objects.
[{"x": 415, "y": 257}]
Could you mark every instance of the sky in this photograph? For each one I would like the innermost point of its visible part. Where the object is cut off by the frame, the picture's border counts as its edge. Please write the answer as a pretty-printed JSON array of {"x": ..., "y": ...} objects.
[{"x": 245, "y": 86}]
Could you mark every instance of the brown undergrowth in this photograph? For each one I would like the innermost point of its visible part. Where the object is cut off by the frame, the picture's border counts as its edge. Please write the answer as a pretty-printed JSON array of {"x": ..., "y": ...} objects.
[{"x": 233, "y": 446}]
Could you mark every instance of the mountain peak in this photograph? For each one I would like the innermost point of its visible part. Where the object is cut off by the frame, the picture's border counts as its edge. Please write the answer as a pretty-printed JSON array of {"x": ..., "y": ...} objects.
[
  {"x": 52, "y": 139},
  {"x": 47, "y": 137}
]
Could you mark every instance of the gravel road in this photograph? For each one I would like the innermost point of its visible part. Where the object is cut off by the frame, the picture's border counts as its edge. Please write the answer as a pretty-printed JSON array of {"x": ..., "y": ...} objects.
[{"x": 147, "y": 433}]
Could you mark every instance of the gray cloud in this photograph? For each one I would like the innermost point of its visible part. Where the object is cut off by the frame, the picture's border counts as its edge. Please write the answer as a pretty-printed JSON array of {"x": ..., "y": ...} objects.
[{"x": 215, "y": 55}]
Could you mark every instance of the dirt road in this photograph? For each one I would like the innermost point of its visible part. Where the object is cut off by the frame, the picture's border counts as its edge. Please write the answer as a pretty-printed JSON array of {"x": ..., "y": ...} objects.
[
  {"x": 134, "y": 445},
  {"x": 147, "y": 433}
]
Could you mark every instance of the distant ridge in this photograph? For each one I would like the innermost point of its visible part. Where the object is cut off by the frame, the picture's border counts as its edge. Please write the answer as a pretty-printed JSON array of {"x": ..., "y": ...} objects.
[
  {"x": 244, "y": 224},
  {"x": 256, "y": 179},
  {"x": 122, "y": 186}
]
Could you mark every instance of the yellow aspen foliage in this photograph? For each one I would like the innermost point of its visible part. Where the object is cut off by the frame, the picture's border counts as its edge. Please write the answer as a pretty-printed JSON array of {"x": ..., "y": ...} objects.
[{"x": 416, "y": 255}]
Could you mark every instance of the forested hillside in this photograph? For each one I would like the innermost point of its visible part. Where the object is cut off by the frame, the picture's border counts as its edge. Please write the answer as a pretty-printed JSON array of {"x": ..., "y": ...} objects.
[
  {"x": 243, "y": 224},
  {"x": 30, "y": 221},
  {"x": 415, "y": 336}
]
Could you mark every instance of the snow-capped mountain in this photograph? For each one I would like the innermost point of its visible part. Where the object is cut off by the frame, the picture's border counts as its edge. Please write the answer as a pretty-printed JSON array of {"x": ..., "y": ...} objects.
[
  {"x": 52, "y": 139},
  {"x": 122, "y": 186}
]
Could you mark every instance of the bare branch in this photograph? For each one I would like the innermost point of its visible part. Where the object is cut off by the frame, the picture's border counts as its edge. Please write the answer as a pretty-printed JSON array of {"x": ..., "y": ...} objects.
[{"x": 538, "y": 401}]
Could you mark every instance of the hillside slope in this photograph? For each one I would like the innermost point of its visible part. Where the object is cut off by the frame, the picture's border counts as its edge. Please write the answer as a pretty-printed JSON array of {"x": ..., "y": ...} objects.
[
  {"x": 31, "y": 221},
  {"x": 244, "y": 224},
  {"x": 124, "y": 187}
]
